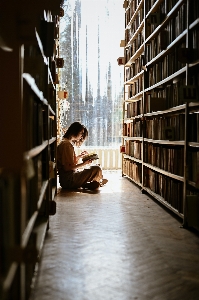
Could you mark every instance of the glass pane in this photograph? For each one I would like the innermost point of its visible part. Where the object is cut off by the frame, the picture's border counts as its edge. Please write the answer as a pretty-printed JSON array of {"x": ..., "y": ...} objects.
[{"x": 90, "y": 45}]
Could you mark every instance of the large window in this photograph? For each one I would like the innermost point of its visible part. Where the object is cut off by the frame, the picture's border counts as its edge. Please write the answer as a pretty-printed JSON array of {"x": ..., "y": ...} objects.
[{"x": 90, "y": 45}]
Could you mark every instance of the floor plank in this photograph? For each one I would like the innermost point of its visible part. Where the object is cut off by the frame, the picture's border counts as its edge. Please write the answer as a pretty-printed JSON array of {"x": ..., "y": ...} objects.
[{"x": 116, "y": 243}]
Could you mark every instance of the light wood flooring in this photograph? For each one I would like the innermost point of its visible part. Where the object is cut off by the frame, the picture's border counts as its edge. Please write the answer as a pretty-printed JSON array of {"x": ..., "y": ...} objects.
[{"x": 116, "y": 244}]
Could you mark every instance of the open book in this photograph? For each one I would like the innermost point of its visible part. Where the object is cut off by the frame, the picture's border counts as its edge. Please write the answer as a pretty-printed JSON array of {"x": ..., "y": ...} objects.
[{"x": 91, "y": 156}]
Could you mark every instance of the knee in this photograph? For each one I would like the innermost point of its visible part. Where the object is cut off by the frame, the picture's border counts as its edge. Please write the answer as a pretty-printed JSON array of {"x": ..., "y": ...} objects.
[{"x": 96, "y": 169}]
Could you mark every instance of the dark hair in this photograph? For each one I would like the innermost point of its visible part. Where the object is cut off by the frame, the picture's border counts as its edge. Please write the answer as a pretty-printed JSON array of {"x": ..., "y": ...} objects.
[
  {"x": 74, "y": 129},
  {"x": 85, "y": 134}
]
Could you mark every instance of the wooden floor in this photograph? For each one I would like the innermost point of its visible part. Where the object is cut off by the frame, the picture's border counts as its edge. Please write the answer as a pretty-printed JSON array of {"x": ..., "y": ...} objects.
[{"x": 119, "y": 244}]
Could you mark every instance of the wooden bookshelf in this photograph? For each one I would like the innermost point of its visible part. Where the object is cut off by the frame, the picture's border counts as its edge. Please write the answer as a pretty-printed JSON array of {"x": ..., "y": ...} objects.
[
  {"x": 28, "y": 133},
  {"x": 161, "y": 102}
]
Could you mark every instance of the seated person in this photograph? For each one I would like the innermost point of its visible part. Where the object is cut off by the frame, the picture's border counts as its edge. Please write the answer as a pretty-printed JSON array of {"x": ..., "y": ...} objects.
[{"x": 67, "y": 162}]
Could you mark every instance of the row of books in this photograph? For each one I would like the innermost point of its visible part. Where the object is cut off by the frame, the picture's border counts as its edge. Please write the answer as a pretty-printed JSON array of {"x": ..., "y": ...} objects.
[
  {"x": 128, "y": 15},
  {"x": 166, "y": 37},
  {"x": 165, "y": 158},
  {"x": 135, "y": 68},
  {"x": 132, "y": 129},
  {"x": 175, "y": 26},
  {"x": 172, "y": 30},
  {"x": 194, "y": 77},
  {"x": 148, "y": 5},
  {"x": 34, "y": 183},
  {"x": 170, "y": 128},
  {"x": 9, "y": 225},
  {"x": 176, "y": 94},
  {"x": 25, "y": 193},
  {"x": 153, "y": 104},
  {"x": 164, "y": 68},
  {"x": 194, "y": 38},
  {"x": 164, "y": 6},
  {"x": 132, "y": 170},
  {"x": 152, "y": 22},
  {"x": 159, "y": 43},
  {"x": 133, "y": 148},
  {"x": 52, "y": 96},
  {"x": 193, "y": 127},
  {"x": 48, "y": 35},
  {"x": 194, "y": 10},
  {"x": 52, "y": 128},
  {"x": 135, "y": 88},
  {"x": 134, "y": 5},
  {"x": 36, "y": 113},
  {"x": 193, "y": 167},
  {"x": 166, "y": 128},
  {"x": 155, "y": 46},
  {"x": 158, "y": 100},
  {"x": 133, "y": 109},
  {"x": 135, "y": 44},
  {"x": 171, "y": 93},
  {"x": 9, "y": 188},
  {"x": 137, "y": 19},
  {"x": 34, "y": 65},
  {"x": 169, "y": 189}
]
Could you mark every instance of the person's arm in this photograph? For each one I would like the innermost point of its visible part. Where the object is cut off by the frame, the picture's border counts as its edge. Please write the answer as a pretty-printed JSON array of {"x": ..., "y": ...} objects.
[
  {"x": 77, "y": 166},
  {"x": 80, "y": 156},
  {"x": 69, "y": 159}
]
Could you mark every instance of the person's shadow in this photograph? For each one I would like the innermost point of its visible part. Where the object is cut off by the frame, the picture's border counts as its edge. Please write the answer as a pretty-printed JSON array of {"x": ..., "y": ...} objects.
[{"x": 61, "y": 190}]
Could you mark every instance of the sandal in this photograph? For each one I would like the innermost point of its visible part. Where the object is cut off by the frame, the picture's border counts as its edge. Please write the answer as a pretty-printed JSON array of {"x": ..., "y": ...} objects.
[
  {"x": 103, "y": 182},
  {"x": 93, "y": 185}
]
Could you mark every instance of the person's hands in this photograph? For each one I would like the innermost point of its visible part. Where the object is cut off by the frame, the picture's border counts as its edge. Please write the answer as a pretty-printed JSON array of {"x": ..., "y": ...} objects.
[
  {"x": 87, "y": 162},
  {"x": 83, "y": 153}
]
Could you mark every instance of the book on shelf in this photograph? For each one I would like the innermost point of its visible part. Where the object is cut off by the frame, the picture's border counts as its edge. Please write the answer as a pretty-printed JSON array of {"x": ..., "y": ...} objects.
[
  {"x": 169, "y": 189},
  {"x": 163, "y": 40},
  {"x": 169, "y": 133},
  {"x": 34, "y": 65},
  {"x": 193, "y": 166},
  {"x": 188, "y": 93},
  {"x": 185, "y": 55},
  {"x": 154, "y": 18},
  {"x": 131, "y": 148},
  {"x": 127, "y": 144},
  {"x": 47, "y": 37},
  {"x": 132, "y": 169},
  {"x": 155, "y": 104},
  {"x": 192, "y": 202}
]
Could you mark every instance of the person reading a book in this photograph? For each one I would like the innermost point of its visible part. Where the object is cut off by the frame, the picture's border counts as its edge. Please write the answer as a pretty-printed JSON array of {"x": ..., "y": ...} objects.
[{"x": 70, "y": 175}]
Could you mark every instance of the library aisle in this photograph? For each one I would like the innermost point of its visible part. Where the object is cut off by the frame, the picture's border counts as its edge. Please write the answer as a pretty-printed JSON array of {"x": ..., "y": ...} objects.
[{"x": 116, "y": 243}]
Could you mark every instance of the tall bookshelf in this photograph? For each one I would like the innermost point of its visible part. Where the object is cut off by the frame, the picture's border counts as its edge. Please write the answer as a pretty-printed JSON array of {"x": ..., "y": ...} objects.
[
  {"x": 29, "y": 35},
  {"x": 161, "y": 102}
]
